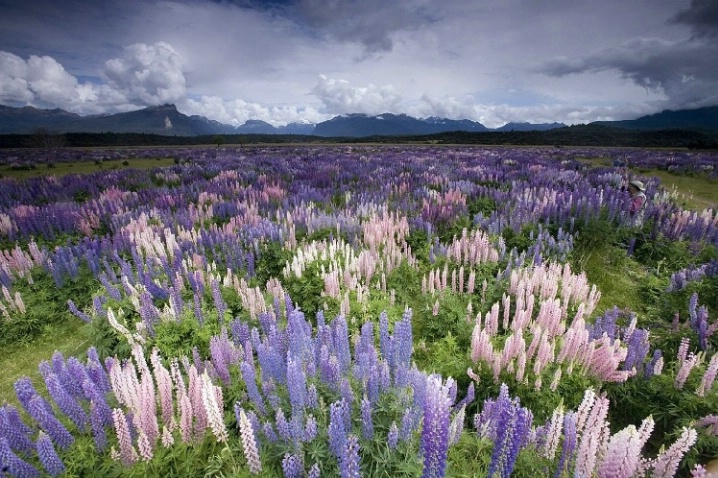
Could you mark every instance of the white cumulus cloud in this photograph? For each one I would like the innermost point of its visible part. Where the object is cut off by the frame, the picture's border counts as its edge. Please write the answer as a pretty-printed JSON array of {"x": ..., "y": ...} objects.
[
  {"x": 148, "y": 74},
  {"x": 340, "y": 97}
]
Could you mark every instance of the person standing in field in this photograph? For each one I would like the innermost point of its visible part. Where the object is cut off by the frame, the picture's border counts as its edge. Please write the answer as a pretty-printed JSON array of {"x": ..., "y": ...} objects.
[{"x": 638, "y": 201}]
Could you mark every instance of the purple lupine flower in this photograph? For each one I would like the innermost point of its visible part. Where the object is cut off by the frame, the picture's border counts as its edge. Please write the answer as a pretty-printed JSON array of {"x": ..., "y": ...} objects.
[
  {"x": 250, "y": 380},
  {"x": 41, "y": 412},
  {"x": 314, "y": 471},
  {"x": 25, "y": 391},
  {"x": 568, "y": 449},
  {"x": 340, "y": 334},
  {"x": 337, "y": 429},
  {"x": 637, "y": 350},
  {"x": 468, "y": 399},
  {"x": 513, "y": 424},
  {"x": 402, "y": 349},
  {"x": 296, "y": 385},
  {"x": 346, "y": 392},
  {"x": 283, "y": 426},
  {"x": 76, "y": 375},
  {"x": 13, "y": 464},
  {"x": 435, "y": 432},
  {"x": 311, "y": 429},
  {"x": 292, "y": 466},
  {"x": 66, "y": 402},
  {"x": 99, "y": 376},
  {"x": 392, "y": 438},
  {"x": 651, "y": 367},
  {"x": 312, "y": 397},
  {"x": 198, "y": 310},
  {"x": 269, "y": 433},
  {"x": 14, "y": 430},
  {"x": 385, "y": 345},
  {"x": 349, "y": 459},
  {"x": 366, "y": 420},
  {"x": 48, "y": 456},
  {"x": 219, "y": 302},
  {"x": 239, "y": 331},
  {"x": 77, "y": 312},
  {"x": 98, "y": 421}
]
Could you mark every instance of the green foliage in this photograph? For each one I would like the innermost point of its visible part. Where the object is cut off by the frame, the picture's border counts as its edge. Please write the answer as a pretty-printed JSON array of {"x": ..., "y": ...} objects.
[
  {"x": 272, "y": 259},
  {"x": 178, "y": 338},
  {"x": 45, "y": 305}
]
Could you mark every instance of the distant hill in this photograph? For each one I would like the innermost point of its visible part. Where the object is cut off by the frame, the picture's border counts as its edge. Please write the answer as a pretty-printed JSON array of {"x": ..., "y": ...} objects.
[
  {"x": 388, "y": 124},
  {"x": 27, "y": 119},
  {"x": 705, "y": 119},
  {"x": 530, "y": 126},
  {"x": 164, "y": 119},
  {"x": 168, "y": 121}
]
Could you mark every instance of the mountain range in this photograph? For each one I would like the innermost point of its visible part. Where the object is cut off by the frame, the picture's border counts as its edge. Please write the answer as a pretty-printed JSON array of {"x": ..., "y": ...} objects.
[{"x": 167, "y": 120}]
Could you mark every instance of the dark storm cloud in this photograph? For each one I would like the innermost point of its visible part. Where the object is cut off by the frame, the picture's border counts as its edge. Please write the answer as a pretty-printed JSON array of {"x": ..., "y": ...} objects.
[
  {"x": 369, "y": 22},
  {"x": 686, "y": 71},
  {"x": 702, "y": 17}
]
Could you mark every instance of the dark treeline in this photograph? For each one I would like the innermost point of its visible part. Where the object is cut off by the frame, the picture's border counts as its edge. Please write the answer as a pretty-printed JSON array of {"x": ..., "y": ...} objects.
[{"x": 580, "y": 135}]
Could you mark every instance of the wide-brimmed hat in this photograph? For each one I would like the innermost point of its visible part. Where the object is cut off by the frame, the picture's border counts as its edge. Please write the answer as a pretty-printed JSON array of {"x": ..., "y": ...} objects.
[{"x": 638, "y": 185}]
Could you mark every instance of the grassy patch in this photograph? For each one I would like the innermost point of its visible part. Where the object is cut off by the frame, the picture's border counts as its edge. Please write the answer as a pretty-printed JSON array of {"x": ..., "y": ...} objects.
[
  {"x": 616, "y": 275},
  {"x": 693, "y": 192},
  {"x": 20, "y": 360},
  {"x": 84, "y": 167}
]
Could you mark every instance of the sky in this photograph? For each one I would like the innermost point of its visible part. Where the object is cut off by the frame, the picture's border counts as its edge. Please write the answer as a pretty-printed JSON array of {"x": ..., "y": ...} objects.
[{"x": 283, "y": 61}]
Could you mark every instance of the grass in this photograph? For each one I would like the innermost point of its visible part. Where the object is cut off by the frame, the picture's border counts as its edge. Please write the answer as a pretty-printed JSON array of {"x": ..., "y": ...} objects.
[
  {"x": 24, "y": 359},
  {"x": 617, "y": 277},
  {"x": 84, "y": 167},
  {"x": 693, "y": 192}
]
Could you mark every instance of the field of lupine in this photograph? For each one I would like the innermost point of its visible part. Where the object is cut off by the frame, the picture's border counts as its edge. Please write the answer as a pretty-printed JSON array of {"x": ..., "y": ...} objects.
[{"x": 375, "y": 311}]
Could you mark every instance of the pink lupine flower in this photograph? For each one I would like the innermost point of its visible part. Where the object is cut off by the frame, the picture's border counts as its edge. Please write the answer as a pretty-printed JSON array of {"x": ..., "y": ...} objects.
[
  {"x": 213, "y": 409},
  {"x": 591, "y": 438},
  {"x": 128, "y": 455},
  {"x": 667, "y": 462},
  {"x": 686, "y": 366},
  {"x": 708, "y": 377},
  {"x": 622, "y": 455},
  {"x": 249, "y": 445}
]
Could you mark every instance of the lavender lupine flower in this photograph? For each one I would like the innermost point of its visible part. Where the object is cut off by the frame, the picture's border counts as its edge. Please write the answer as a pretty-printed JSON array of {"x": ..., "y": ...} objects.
[
  {"x": 14, "y": 430},
  {"x": 435, "y": 431},
  {"x": 292, "y": 466},
  {"x": 13, "y": 464},
  {"x": 249, "y": 443},
  {"x": 48, "y": 456},
  {"x": 349, "y": 459},
  {"x": 667, "y": 462},
  {"x": 41, "y": 412}
]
